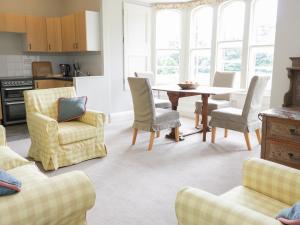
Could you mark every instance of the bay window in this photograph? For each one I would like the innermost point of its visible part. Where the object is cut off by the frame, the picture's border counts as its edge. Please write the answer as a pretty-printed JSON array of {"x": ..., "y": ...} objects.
[
  {"x": 230, "y": 37},
  {"x": 168, "y": 46},
  {"x": 200, "y": 44},
  {"x": 262, "y": 38}
]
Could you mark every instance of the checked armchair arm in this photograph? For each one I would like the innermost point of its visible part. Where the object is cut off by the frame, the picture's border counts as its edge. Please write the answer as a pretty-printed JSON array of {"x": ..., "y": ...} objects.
[{"x": 196, "y": 207}]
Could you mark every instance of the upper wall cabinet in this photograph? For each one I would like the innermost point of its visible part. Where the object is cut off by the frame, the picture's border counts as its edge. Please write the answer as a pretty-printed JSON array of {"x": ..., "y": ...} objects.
[
  {"x": 81, "y": 32},
  {"x": 10, "y": 22},
  {"x": 36, "y": 34},
  {"x": 54, "y": 38}
]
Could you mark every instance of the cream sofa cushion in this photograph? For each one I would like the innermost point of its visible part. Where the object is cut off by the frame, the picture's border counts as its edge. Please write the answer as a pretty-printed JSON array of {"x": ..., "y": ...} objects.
[
  {"x": 74, "y": 131},
  {"x": 9, "y": 159}
]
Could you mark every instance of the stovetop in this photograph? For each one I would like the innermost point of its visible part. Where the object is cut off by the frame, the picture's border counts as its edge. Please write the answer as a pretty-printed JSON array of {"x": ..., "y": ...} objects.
[{"x": 16, "y": 78}]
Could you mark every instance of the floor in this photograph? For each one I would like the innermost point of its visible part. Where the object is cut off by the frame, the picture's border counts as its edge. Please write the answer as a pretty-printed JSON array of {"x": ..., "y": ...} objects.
[{"x": 136, "y": 187}]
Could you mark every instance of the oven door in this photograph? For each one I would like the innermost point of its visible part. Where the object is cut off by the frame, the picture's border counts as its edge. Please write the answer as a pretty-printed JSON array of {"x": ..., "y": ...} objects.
[
  {"x": 14, "y": 112},
  {"x": 14, "y": 93}
]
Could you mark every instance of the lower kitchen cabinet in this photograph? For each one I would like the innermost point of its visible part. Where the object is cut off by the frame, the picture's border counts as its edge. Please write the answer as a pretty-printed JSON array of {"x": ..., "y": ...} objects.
[{"x": 44, "y": 84}]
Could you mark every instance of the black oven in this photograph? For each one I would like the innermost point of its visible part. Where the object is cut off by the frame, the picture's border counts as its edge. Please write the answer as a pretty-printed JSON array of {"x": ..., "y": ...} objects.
[{"x": 12, "y": 98}]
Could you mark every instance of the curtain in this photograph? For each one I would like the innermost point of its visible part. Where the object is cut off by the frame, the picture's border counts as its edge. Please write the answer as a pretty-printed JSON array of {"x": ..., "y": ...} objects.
[{"x": 190, "y": 4}]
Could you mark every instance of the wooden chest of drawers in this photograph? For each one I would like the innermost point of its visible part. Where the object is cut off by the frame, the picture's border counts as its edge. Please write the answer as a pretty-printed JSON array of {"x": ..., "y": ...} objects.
[{"x": 281, "y": 136}]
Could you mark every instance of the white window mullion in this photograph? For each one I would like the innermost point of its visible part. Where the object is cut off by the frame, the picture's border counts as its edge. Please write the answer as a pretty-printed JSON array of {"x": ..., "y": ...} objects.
[
  {"x": 213, "y": 62},
  {"x": 245, "y": 48},
  {"x": 184, "y": 63}
]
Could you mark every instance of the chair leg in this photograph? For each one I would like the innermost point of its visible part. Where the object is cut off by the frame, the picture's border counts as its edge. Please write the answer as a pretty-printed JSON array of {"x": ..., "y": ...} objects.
[
  {"x": 157, "y": 134},
  {"x": 213, "y": 134},
  {"x": 177, "y": 134},
  {"x": 197, "y": 119},
  {"x": 135, "y": 132},
  {"x": 225, "y": 133},
  {"x": 152, "y": 136},
  {"x": 257, "y": 131},
  {"x": 247, "y": 139}
]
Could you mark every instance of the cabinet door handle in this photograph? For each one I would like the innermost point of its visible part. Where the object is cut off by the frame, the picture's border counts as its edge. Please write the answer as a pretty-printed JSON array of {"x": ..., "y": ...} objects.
[
  {"x": 74, "y": 45},
  {"x": 49, "y": 46},
  {"x": 294, "y": 132},
  {"x": 293, "y": 157},
  {"x": 29, "y": 46}
]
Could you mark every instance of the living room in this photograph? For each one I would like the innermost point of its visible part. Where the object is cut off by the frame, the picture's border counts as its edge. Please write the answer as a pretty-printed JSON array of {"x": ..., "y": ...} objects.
[{"x": 142, "y": 112}]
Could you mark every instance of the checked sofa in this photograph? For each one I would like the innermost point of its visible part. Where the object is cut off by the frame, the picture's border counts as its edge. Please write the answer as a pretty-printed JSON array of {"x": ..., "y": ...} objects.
[
  {"x": 267, "y": 189},
  {"x": 62, "y": 199},
  {"x": 66, "y": 143}
]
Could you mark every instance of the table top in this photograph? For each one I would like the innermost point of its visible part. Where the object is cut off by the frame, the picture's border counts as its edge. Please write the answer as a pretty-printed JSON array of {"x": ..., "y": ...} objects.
[
  {"x": 200, "y": 90},
  {"x": 291, "y": 113}
]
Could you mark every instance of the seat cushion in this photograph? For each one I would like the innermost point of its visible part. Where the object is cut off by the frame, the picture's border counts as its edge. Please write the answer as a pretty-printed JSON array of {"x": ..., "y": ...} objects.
[
  {"x": 255, "y": 201},
  {"x": 212, "y": 105},
  {"x": 162, "y": 103},
  {"x": 165, "y": 119},
  {"x": 29, "y": 175},
  {"x": 228, "y": 114},
  {"x": 70, "y": 132}
]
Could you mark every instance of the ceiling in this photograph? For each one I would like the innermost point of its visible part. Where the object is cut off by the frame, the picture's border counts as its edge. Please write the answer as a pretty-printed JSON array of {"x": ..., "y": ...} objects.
[{"x": 161, "y": 1}]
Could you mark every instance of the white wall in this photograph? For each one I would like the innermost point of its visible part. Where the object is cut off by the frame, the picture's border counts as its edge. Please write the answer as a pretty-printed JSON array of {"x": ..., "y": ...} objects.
[
  {"x": 287, "y": 44},
  {"x": 113, "y": 54}
]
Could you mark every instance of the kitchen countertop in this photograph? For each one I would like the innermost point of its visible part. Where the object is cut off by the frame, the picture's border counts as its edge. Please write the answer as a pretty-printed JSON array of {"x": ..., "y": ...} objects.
[{"x": 53, "y": 78}]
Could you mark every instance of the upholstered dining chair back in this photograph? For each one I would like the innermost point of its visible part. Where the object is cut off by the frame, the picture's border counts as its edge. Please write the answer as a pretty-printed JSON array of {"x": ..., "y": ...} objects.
[
  {"x": 254, "y": 98},
  {"x": 45, "y": 101},
  {"x": 148, "y": 75},
  {"x": 223, "y": 79},
  {"x": 142, "y": 98}
]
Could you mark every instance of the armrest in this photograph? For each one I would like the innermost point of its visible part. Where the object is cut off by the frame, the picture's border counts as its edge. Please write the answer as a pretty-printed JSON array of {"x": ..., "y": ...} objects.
[
  {"x": 93, "y": 118},
  {"x": 50, "y": 201},
  {"x": 2, "y": 135},
  {"x": 272, "y": 179},
  {"x": 194, "y": 207},
  {"x": 43, "y": 131}
]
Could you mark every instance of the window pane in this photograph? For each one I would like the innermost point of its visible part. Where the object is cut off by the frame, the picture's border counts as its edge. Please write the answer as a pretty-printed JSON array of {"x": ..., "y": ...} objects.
[
  {"x": 200, "y": 66},
  {"x": 167, "y": 66},
  {"x": 201, "y": 27},
  {"x": 264, "y": 22},
  {"x": 229, "y": 57},
  {"x": 232, "y": 21},
  {"x": 168, "y": 24},
  {"x": 261, "y": 62}
]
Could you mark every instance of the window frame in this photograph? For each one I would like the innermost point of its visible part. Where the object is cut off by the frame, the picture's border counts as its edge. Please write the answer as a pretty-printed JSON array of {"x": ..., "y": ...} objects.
[
  {"x": 156, "y": 49},
  {"x": 193, "y": 49}
]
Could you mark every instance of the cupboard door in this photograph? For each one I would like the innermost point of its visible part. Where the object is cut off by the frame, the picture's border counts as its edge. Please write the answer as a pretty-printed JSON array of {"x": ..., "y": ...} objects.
[
  {"x": 68, "y": 33},
  {"x": 80, "y": 22},
  {"x": 54, "y": 34},
  {"x": 36, "y": 34},
  {"x": 10, "y": 22}
]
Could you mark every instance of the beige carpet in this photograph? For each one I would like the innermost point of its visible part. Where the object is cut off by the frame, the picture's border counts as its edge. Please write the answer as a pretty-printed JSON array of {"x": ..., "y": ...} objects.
[{"x": 136, "y": 187}]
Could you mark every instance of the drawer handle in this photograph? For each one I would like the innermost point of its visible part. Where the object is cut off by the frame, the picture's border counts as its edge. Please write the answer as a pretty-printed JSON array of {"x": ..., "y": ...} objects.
[
  {"x": 292, "y": 156},
  {"x": 293, "y": 131}
]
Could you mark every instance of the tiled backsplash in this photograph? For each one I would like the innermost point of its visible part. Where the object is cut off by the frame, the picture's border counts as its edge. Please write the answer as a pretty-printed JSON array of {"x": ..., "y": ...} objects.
[{"x": 20, "y": 65}]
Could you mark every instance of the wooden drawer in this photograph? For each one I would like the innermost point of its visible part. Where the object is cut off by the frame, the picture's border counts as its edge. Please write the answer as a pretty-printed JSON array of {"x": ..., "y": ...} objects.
[
  {"x": 283, "y": 129},
  {"x": 284, "y": 153}
]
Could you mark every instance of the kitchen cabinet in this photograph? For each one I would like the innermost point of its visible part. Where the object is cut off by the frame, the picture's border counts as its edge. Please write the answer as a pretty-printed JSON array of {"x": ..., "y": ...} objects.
[
  {"x": 54, "y": 40},
  {"x": 81, "y": 32},
  {"x": 10, "y": 22},
  {"x": 36, "y": 37},
  {"x": 52, "y": 83}
]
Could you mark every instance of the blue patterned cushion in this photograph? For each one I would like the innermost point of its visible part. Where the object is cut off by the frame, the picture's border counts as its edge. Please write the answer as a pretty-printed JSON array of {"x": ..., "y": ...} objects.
[
  {"x": 71, "y": 108},
  {"x": 8, "y": 184}
]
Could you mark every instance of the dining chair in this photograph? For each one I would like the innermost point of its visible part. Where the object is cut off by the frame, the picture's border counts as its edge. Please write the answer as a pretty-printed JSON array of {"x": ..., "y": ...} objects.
[
  {"x": 146, "y": 116},
  {"x": 158, "y": 102},
  {"x": 221, "y": 79},
  {"x": 243, "y": 120}
]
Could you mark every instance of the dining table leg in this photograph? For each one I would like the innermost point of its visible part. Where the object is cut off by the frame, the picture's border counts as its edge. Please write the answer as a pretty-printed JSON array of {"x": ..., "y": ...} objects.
[
  {"x": 205, "y": 115},
  {"x": 174, "y": 98}
]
